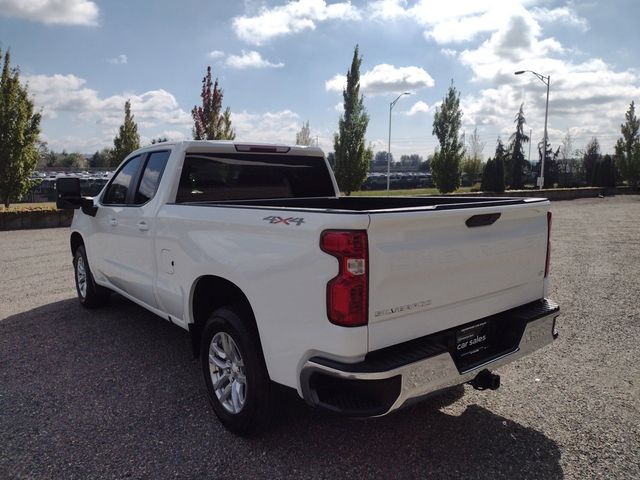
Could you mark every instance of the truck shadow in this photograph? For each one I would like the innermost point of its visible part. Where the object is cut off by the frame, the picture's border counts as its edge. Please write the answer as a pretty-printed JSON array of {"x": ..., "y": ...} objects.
[{"x": 116, "y": 392}]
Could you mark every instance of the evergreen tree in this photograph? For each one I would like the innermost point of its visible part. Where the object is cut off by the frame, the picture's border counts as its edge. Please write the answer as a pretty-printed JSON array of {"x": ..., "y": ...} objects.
[
  {"x": 19, "y": 130},
  {"x": 590, "y": 158},
  {"x": 604, "y": 173},
  {"x": 303, "y": 137},
  {"x": 209, "y": 123},
  {"x": 352, "y": 157},
  {"x": 493, "y": 173},
  {"x": 488, "y": 176},
  {"x": 101, "y": 158},
  {"x": 517, "y": 162},
  {"x": 127, "y": 140},
  {"x": 445, "y": 165},
  {"x": 628, "y": 147}
]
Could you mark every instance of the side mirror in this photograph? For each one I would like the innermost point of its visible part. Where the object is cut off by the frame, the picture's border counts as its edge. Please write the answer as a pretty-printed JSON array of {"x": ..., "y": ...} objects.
[{"x": 68, "y": 196}]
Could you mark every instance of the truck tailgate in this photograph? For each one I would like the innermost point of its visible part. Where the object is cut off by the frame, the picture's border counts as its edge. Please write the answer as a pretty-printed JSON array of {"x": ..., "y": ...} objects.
[{"x": 429, "y": 271}]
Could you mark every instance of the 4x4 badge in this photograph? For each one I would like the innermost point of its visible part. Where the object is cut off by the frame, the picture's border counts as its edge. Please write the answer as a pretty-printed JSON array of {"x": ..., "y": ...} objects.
[{"x": 286, "y": 221}]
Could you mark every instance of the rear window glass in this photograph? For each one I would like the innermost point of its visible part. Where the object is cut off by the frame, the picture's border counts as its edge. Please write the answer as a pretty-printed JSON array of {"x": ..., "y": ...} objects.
[{"x": 217, "y": 177}]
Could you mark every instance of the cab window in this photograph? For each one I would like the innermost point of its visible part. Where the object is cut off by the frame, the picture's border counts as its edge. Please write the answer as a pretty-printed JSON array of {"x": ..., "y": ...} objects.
[
  {"x": 151, "y": 177},
  {"x": 118, "y": 189}
]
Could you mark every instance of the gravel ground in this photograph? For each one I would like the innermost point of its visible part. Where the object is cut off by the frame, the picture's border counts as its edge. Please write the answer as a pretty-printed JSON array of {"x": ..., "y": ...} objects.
[{"x": 115, "y": 393}]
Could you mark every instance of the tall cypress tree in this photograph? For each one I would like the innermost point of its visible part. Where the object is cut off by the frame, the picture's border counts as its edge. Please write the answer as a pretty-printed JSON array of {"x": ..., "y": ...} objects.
[
  {"x": 127, "y": 140},
  {"x": 445, "y": 165},
  {"x": 352, "y": 157},
  {"x": 209, "y": 123},
  {"x": 19, "y": 130},
  {"x": 517, "y": 160},
  {"x": 628, "y": 147}
]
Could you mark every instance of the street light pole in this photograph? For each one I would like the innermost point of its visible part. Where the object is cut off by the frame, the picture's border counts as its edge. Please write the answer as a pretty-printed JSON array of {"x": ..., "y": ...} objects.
[
  {"x": 547, "y": 81},
  {"x": 391, "y": 105}
]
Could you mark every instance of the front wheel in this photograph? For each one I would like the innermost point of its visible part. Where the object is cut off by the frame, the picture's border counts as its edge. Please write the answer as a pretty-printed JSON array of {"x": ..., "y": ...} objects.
[
  {"x": 89, "y": 294},
  {"x": 235, "y": 375}
]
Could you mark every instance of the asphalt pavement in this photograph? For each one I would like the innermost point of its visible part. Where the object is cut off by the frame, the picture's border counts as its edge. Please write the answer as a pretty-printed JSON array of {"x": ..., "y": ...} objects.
[{"x": 116, "y": 393}]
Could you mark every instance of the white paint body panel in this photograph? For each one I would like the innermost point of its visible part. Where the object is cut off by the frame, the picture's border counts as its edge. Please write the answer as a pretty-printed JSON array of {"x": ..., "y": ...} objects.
[{"x": 430, "y": 260}]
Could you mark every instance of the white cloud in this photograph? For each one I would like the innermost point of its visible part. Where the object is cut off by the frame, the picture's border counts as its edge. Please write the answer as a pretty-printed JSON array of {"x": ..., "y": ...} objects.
[
  {"x": 63, "y": 12},
  {"x": 388, "y": 9},
  {"x": 250, "y": 59},
  {"x": 589, "y": 95},
  {"x": 293, "y": 17},
  {"x": 339, "y": 107},
  {"x": 449, "y": 52},
  {"x": 119, "y": 60},
  {"x": 58, "y": 94},
  {"x": 418, "y": 107},
  {"x": 273, "y": 127},
  {"x": 385, "y": 78},
  {"x": 464, "y": 20},
  {"x": 563, "y": 15},
  {"x": 216, "y": 54}
]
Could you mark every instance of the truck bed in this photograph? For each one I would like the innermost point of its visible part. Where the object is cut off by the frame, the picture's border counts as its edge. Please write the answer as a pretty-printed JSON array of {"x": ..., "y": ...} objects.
[{"x": 369, "y": 205}]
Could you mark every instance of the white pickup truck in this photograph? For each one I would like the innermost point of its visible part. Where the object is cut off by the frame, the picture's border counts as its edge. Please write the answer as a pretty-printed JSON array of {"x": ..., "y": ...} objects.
[{"x": 361, "y": 304}]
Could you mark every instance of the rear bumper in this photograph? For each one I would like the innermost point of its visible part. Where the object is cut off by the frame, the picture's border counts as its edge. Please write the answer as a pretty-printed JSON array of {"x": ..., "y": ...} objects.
[{"x": 389, "y": 378}]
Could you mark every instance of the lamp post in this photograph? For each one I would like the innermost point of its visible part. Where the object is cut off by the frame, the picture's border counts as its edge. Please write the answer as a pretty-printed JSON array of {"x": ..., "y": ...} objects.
[
  {"x": 391, "y": 105},
  {"x": 547, "y": 81}
]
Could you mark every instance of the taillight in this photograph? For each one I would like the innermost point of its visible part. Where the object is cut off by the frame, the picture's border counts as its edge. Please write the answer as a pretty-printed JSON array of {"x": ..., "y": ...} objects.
[
  {"x": 347, "y": 292},
  {"x": 546, "y": 265}
]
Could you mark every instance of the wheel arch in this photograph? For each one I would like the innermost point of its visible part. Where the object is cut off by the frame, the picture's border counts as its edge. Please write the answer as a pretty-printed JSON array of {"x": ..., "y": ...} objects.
[
  {"x": 76, "y": 240},
  {"x": 208, "y": 293}
]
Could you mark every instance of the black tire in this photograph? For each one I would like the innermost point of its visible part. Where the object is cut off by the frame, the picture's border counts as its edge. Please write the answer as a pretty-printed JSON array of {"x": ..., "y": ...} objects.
[
  {"x": 255, "y": 413},
  {"x": 90, "y": 295}
]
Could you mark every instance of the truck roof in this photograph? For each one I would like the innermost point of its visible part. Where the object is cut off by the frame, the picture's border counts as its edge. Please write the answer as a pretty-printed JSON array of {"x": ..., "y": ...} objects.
[{"x": 229, "y": 146}]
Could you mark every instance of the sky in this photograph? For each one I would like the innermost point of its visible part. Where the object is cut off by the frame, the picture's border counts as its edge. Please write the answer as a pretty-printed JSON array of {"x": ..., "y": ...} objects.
[{"x": 282, "y": 63}]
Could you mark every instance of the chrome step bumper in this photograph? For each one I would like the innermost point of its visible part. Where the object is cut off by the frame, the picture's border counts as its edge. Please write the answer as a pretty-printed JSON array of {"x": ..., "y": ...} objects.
[{"x": 415, "y": 379}]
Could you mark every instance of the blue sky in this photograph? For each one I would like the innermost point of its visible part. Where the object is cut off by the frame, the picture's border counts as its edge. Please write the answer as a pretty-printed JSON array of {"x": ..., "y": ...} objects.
[{"x": 281, "y": 63}]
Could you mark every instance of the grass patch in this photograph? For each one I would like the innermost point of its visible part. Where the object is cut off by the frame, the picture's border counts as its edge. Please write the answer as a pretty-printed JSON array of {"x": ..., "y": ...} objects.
[{"x": 29, "y": 207}]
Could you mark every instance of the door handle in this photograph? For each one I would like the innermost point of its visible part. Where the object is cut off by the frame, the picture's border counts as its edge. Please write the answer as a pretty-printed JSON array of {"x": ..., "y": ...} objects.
[
  {"x": 142, "y": 226},
  {"x": 113, "y": 222}
]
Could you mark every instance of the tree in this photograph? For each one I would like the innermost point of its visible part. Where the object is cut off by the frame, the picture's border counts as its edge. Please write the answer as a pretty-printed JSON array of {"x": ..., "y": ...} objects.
[
  {"x": 628, "y": 147},
  {"x": 159, "y": 140},
  {"x": 445, "y": 165},
  {"x": 590, "y": 158},
  {"x": 101, "y": 158},
  {"x": 43, "y": 154},
  {"x": 604, "y": 173},
  {"x": 303, "y": 137},
  {"x": 19, "y": 131},
  {"x": 127, "y": 140},
  {"x": 517, "y": 162},
  {"x": 564, "y": 159},
  {"x": 380, "y": 159},
  {"x": 209, "y": 123},
  {"x": 331, "y": 158},
  {"x": 414, "y": 160},
  {"x": 493, "y": 173},
  {"x": 476, "y": 146},
  {"x": 351, "y": 155}
]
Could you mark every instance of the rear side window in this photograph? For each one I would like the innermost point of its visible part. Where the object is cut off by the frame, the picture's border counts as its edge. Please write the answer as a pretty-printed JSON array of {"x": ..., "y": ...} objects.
[
  {"x": 218, "y": 177},
  {"x": 117, "y": 191},
  {"x": 151, "y": 177}
]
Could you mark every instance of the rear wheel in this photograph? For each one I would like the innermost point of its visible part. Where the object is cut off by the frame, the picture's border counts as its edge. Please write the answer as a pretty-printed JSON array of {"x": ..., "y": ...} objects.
[
  {"x": 235, "y": 375},
  {"x": 89, "y": 294}
]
